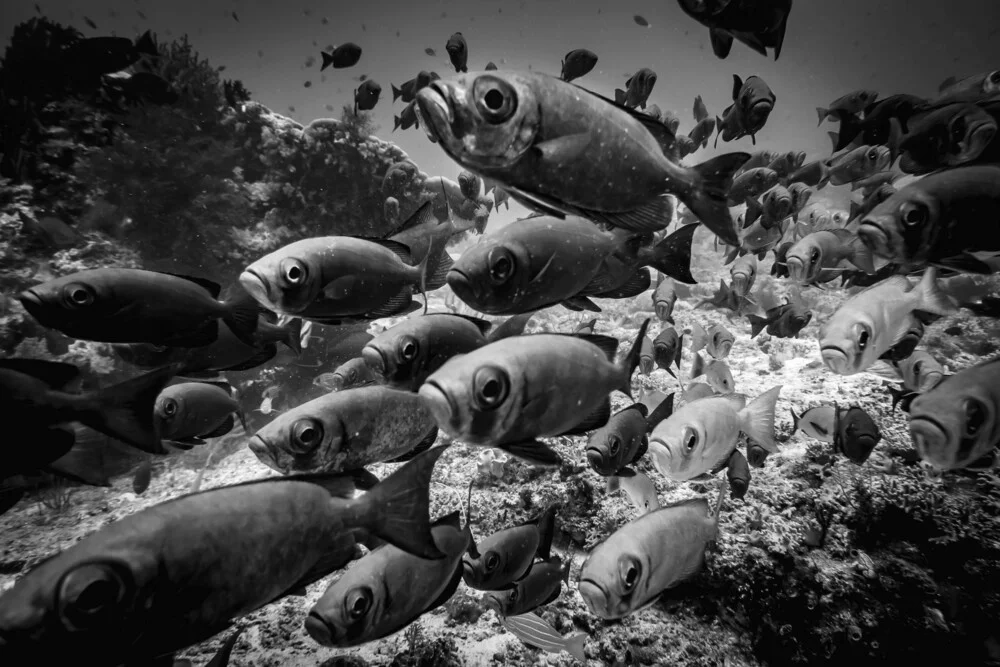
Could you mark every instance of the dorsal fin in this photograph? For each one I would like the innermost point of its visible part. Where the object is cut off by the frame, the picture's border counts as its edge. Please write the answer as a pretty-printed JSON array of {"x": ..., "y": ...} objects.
[
  {"x": 608, "y": 344},
  {"x": 423, "y": 214},
  {"x": 453, "y": 519},
  {"x": 484, "y": 326},
  {"x": 737, "y": 86},
  {"x": 401, "y": 249}
]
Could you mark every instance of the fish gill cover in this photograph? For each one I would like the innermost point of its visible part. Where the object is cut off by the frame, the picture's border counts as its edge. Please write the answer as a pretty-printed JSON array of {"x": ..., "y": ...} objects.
[{"x": 830, "y": 542}]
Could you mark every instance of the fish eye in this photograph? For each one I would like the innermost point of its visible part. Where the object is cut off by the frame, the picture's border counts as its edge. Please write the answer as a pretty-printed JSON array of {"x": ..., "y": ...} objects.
[
  {"x": 838, "y": 217},
  {"x": 513, "y": 595},
  {"x": 864, "y": 336},
  {"x": 628, "y": 571},
  {"x": 975, "y": 416},
  {"x": 358, "y": 603},
  {"x": 408, "y": 348},
  {"x": 958, "y": 129},
  {"x": 814, "y": 256},
  {"x": 490, "y": 386},
  {"x": 690, "y": 439},
  {"x": 352, "y": 375},
  {"x": 995, "y": 78},
  {"x": 872, "y": 154},
  {"x": 77, "y": 295},
  {"x": 914, "y": 214},
  {"x": 917, "y": 367},
  {"x": 495, "y": 99},
  {"x": 92, "y": 595},
  {"x": 169, "y": 407},
  {"x": 616, "y": 444},
  {"x": 491, "y": 561},
  {"x": 306, "y": 436},
  {"x": 294, "y": 272},
  {"x": 501, "y": 265}
]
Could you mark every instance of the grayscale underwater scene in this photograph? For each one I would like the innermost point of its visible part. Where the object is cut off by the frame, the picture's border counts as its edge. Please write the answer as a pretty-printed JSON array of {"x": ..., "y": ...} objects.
[{"x": 472, "y": 332}]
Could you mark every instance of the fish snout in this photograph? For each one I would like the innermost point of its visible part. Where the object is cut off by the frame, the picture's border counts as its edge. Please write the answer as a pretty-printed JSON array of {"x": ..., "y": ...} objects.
[
  {"x": 32, "y": 302},
  {"x": 257, "y": 287},
  {"x": 740, "y": 284},
  {"x": 595, "y": 598},
  {"x": 796, "y": 269},
  {"x": 263, "y": 453},
  {"x": 663, "y": 311},
  {"x": 874, "y": 237},
  {"x": 931, "y": 443},
  {"x": 374, "y": 359},
  {"x": 595, "y": 458},
  {"x": 646, "y": 365},
  {"x": 465, "y": 289},
  {"x": 438, "y": 402},
  {"x": 725, "y": 347},
  {"x": 322, "y": 632},
  {"x": 836, "y": 360},
  {"x": 336, "y": 382},
  {"x": 493, "y": 602}
]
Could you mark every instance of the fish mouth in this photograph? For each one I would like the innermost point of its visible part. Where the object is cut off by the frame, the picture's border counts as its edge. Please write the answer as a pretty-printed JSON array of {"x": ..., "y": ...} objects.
[
  {"x": 596, "y": 458},
  {"x": 874, "y": 236},
  {"x": 724, "y": 349},
  {"x": 663, "y": 312},
  {"x": 337, "y": 383},
  {"x": 263, "y": 453},
  {"x": 322, "y": 632},
  {"x": 836, "y": 359},
  {"x": 464, "y": 288},
  {"x": 434, "y": 109},
  {"x": 595, "y": 596},
  {"x": 438, "y": 401},
  {"x": 645, "y": 365},
  {"x": 32, "y": 302},
  {"x": 468, "y": 573},
  {"x": 796, "y": 269},
  {"x": 257, "y": 287},
  {"x": 374, "y": 359},
  {"x": 493, "y": 602},
  {"x": 980, "y": 135},
  {"x": 930, "y": 438},
  {"x": 739, "y": 285}
]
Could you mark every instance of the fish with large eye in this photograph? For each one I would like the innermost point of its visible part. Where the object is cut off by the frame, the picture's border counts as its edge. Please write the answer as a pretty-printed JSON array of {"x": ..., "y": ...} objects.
[
  {"x": 613, "y": 581},
  {"x": 507, "y": 555},
  {"x": 379, "y": 595},
  {"x": 189, "y": 412},
  {"x": 953, "y": 424},
  {"x": 540, "y": 586},
  {"x": 869, "y": 324}
]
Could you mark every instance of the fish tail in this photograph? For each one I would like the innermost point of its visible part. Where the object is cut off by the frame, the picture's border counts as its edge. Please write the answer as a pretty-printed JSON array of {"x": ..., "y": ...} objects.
[
  {"x": 757, "y": 324},
  {"x": 850, "y": 128},
  {"x": 861, "y": 255},
  {"x": 574, "y": 646},
  {"x": 399, "y": 506},
  {"x": 125, "y": 410},
  {"x": 822, "y": 113},
  {"x": 327, "y": 60},
  {"x": 396, "y": 122},
  {"x": 672, "y": 255},
  {"x": 619, "y": 96},
  {"x": 707, "y": 200},
  {"x": 758, "y": 419},
  {"x": 396, "y": 92},
  {"x": 718, "y": 503},
  {"x": 631, "y": 360},
  {"x": 932, "y": 299},
  {"x": 439, "y": 264},
  {"x": 241, "y": 311},
  {"x": 546, "y": 531}
]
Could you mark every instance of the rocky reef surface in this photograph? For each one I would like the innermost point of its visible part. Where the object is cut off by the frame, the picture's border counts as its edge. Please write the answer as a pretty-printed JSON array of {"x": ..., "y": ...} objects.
[{"x": 823, "y": 562}]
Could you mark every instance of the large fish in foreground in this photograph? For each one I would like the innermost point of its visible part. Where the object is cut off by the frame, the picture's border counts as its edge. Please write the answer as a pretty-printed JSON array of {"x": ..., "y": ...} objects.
[
  {"x": 958, "y": 421},
  {"x": 873, "y": 321},
  {"x": 564, "y": 150},
  {"x": 510, "y": 393},
  {"x": 137, "y": 306},
  {"x": 388, "y": 589},
  {"x": 177, "y": 573},
  {"x": 345, "y": 430},
  {"x": 629, "y": 570}
]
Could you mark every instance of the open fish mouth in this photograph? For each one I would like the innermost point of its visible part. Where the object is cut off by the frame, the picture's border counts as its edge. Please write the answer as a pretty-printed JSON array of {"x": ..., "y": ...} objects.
[
  {"x": 434, "y": 111},
  {"x": 796, "y": 269},
  {"x": 979, "y": 135},
  {"x": 596, "y": 458},
  {"x": 739, "y": 285},
  {"x": 31, "y": 302},
  {"x": 374, "y": 359},
  {"x": 874, "y": 236},
  {"x": 930, "y": 438}
]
